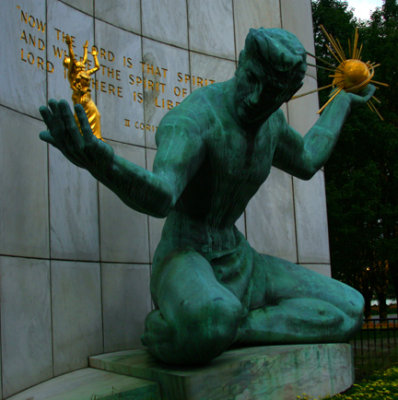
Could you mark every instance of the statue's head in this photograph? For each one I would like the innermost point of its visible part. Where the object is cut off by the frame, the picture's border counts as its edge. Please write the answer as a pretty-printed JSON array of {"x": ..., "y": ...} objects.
[
  {"x": 79, "y": 66},
  {"x": 271, "y": 69}
]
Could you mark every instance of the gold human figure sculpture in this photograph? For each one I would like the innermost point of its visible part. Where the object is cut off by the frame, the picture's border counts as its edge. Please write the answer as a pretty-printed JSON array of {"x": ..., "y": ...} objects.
[{"x": 80, "y": 78}]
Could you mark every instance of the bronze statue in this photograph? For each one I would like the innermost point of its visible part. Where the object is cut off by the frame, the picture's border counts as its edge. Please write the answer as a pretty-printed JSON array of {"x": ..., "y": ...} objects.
[
  {"x": 210, "y": 288},
  {"x": 80, "y": 79}
]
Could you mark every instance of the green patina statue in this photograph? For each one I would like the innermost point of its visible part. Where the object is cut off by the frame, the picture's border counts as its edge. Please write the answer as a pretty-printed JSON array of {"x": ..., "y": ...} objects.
[{"x": 210, "y": 288}]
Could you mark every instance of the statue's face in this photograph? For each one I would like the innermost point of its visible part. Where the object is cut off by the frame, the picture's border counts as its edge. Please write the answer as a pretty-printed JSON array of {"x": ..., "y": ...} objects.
[
  {"x": 79, "y": 66},
  {"x": 256, "y": 98}
]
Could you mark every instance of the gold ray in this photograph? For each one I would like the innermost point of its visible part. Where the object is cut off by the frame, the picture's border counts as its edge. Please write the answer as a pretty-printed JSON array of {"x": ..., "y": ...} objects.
[
  {"x": 312, "y": 91},
  {"x": 355, "y": 45},
  {"x": 320, "y": 67},
  {"x": 376, "y": 99},
  {"x": 349, "y": 46},
  {"x": 334, "y": 54},
  {"x": 334, "y": 44},
  {"x": 341, "y": 49},
  {"x": 330, "y": 100},
  {"x": 359, "y": 52},
  {"x": 380, "y": 83},
  {"x": 374, "y": 109},
  {"x": 324, "y": 61}
]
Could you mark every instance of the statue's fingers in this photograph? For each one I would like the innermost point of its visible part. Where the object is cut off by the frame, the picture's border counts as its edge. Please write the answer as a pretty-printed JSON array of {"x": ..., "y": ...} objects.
[
  {"x": 47, "y": 137},
  {"x": 46, "y": 115},
  {"x": 84, "y": 124},
  {"x": 73, "y": 139},
  {"x": 69, "y": 120},
  {"x": 53, "y": 105}
]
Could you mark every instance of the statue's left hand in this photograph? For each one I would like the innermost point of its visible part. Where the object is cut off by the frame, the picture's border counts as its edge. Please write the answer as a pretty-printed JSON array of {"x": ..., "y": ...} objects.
[
  {"x": 81, "y": 148},
  {"x": 362, "y": 97}
]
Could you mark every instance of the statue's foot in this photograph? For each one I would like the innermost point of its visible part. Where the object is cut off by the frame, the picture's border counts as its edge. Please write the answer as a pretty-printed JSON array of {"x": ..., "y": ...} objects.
[{"x": 159, "y": 337}]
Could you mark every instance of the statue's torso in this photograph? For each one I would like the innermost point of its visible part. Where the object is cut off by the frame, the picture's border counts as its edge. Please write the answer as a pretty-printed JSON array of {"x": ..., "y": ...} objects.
[{"x": 236, "y": 163}]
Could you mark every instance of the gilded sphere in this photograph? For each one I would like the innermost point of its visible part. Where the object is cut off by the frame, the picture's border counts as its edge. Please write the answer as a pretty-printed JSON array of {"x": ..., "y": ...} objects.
[{"x": 353, "y": 75}]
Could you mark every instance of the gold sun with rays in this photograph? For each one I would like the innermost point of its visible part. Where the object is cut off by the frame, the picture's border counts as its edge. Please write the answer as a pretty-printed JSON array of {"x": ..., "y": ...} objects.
[{"x": 351, "y": 75}]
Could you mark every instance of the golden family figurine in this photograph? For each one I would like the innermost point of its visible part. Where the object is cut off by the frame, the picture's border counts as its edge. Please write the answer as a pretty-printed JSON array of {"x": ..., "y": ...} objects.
[{"x": 80, "y": 79}]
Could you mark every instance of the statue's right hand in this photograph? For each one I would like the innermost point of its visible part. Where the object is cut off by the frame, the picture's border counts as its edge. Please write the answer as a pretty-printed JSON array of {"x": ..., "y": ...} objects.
[{"x": 83, "y": 149}]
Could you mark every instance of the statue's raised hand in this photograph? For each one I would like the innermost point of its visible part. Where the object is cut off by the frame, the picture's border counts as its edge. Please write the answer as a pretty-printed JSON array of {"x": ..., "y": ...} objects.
[
  {"x": 81, "y": 148},
  {"x": 362, "y": 97}
]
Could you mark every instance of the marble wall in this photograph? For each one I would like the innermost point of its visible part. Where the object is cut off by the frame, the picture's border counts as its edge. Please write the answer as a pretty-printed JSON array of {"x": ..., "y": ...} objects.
[{"x": 75, "y": 262}]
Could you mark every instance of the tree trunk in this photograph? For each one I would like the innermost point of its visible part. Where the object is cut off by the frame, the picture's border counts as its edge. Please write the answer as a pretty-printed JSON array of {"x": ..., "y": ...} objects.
[{"x": 381, "y": 297}]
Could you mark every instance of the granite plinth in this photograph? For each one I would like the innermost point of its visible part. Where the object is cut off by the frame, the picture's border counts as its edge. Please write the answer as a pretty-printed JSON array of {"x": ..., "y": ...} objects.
[
  {"x": 267, "y": 372},
  {"x": 91, "y": 384}
]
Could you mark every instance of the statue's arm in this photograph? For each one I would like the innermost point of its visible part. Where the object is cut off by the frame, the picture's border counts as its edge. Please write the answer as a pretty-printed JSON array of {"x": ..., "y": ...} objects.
[
  {"x": 153, "y": 193},
  {"x": 304, "y": 156},
  {"x": 96, "y": 67}
]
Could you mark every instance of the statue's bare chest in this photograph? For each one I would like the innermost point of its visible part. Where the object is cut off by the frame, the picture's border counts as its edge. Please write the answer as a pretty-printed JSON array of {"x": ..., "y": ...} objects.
[{"x": 238, "y": 155}]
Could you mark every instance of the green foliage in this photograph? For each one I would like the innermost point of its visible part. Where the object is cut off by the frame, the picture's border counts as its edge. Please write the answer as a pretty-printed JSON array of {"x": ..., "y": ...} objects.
[
  {"x": 382, "y": 386},
  {"x": 362, "y": 174}
]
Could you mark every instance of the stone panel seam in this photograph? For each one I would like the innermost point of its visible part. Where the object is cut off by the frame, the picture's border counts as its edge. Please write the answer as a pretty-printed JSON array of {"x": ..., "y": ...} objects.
[
  {"x": 74, "y": 260},
  {"x": 52, "y": 320},
  {"x": 280, "y": 14},
  {"x": 99, "y": 217},
  {"x": 49, "y": 216},
  {"x": 293, "y": 194},
  {"x": 77, "y": 9},
  {"x": 21, "y": 112},
  {"x": 1, "y": 347}
]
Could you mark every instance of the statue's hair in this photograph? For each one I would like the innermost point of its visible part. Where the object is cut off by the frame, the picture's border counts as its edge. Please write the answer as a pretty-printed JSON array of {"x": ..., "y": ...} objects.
[{"x": 277, "y": 52}]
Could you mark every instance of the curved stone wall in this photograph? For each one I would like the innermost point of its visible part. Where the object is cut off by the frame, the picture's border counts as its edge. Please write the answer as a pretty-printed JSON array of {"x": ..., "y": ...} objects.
[{"x": 74, "y": 260}]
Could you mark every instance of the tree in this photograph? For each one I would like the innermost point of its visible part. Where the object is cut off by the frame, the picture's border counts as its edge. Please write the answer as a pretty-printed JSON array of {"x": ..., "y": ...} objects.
[{"x": 362, "y": 174}]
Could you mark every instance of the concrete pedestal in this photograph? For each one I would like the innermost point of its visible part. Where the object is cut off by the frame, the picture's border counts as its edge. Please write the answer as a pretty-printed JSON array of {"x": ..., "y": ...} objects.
[{"x": 266, "y": 373}]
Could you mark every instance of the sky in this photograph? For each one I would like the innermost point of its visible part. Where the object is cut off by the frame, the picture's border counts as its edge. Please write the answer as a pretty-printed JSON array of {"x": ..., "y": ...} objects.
[{"x": 364, "y": 8}]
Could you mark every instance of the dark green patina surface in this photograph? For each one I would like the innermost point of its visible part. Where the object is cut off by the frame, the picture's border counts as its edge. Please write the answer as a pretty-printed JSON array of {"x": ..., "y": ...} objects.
[{"x": 210, "y": 288}]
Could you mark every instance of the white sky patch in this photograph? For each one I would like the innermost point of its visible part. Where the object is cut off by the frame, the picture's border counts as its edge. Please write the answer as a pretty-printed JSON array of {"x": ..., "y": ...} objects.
[{"x": 364, "y": 8}]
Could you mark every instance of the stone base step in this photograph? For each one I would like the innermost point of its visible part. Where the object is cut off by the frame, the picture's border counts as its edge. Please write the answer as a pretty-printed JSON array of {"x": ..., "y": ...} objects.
[
  {"x": 91, "y": 384},
  {"x": 255, "y": 373}
]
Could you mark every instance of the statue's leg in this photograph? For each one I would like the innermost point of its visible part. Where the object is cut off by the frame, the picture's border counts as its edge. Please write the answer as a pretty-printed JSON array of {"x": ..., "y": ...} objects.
[
  {"x": 197, "y": 318},
  {"x": 301, "y": 306}
]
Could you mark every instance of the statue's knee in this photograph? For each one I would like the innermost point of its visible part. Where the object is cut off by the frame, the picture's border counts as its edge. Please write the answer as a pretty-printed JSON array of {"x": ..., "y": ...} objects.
[{"x": 355, "y": 304}]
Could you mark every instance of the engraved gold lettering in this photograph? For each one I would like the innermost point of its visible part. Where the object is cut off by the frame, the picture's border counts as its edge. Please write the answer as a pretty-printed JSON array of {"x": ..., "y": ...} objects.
[
  {"x": 106, "y": 54},
  {"x": 111, "y": 72},
  {"x": 32, "y": 21},
  {"x": 24, "y": 17},
  {"x": 30, "y": 59},
  {"x": 23, "y": 37},
  {"x": 126, "y": 122},
  {"x": 62, "y": 36},
  {"x": 179, "y": 77},
  {"x": 22, "y": 57},
  {"x": 111, "y": 89},
  {"x": 60, "y": 53},
  {"x": 50, "y": 67},
  {"x": 32, "y": 40},
  {"x": 119, "y": 92},
  {"x": 144, "y": 127},
  {"x": 40, "y": 63},
  {"x": 128, "y": 62},
  {"x": 148, "y": 84},
  {"x": 103, "y": 89},
  {"x": 40, "y": 44},
  {"x": 178, "y": 91},
  {"x": 138, "y": 97}
]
